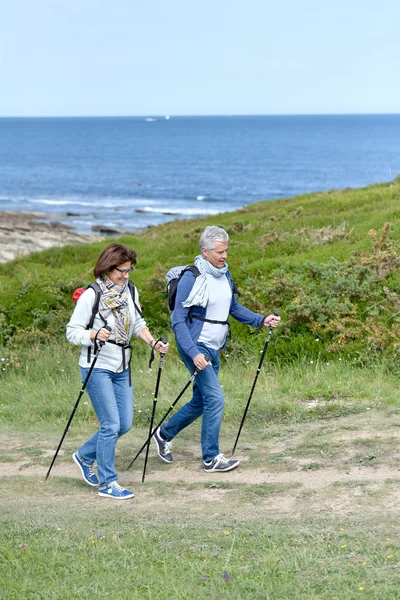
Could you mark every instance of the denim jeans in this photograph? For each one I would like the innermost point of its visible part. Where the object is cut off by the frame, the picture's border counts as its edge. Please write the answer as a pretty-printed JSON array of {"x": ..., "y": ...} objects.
[
  {"x": 207, "y": 400},
  {"x": 112, "y": 399}
]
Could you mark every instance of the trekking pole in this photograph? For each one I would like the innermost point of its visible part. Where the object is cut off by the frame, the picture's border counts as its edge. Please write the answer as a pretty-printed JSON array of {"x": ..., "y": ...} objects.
[
  {"x": 164, "y": 341},
  {"x": 101, "y": 344},
  {"x": 254, "y": 383},
  {"x": 164, "y": 417}
]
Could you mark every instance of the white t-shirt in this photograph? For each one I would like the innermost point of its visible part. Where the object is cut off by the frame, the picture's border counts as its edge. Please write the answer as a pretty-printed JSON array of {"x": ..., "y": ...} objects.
[{"x": 219, "y": 302}]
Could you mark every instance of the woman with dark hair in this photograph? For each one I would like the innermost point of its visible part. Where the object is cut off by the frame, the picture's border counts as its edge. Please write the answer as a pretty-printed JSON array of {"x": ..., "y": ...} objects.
[{"x": 118, "y": 318}]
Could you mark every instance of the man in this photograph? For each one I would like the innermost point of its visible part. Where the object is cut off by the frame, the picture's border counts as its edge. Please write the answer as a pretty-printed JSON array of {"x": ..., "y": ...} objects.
[{"x": 199, "y": 321}]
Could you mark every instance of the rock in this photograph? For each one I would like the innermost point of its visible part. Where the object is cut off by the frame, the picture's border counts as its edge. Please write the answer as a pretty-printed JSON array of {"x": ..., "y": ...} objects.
[
  {"x": 110, "y": 230},
  {"x": 26, "y": 232}
]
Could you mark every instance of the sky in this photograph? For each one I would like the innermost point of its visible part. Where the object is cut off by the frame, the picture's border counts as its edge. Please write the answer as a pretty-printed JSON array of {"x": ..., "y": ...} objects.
[{"x": 211, "y": 57}]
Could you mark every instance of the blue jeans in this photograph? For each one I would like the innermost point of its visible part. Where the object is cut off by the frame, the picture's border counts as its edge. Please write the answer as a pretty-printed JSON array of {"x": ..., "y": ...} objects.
[
  {"x": 207, "y": 400},
  {"x": 112, "y": 399}
]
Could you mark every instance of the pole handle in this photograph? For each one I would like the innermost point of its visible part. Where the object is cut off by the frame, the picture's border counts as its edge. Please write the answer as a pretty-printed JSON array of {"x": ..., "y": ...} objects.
[
  {"x": 164, "y": 341},
  {"x": 101, "y": 343}
]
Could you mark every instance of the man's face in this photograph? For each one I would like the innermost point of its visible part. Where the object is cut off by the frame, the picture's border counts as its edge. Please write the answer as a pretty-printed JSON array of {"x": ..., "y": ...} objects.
[{"x": 216, "y": 256}]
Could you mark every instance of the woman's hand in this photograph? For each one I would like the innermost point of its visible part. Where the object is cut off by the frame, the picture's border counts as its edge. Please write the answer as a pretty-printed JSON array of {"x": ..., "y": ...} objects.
[
  {"x": 161, "y": 347},
  {"x": 102, "y": 334}
]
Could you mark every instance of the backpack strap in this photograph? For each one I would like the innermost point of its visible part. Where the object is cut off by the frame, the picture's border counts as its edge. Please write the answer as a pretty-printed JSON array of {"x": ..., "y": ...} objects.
[
  {"x": 193, "y": 269},
  {"x": 191, "y": 317},
  {"x": 95, "y": 309},
  {"x": 95, "y": 286},
  {"x": 132, "y": 290},
  {"x": 235, "y": 290}
]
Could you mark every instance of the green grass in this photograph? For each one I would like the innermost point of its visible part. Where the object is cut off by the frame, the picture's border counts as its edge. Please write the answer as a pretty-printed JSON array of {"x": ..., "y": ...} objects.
[
  {"x": 294, "y": 522},
  {"x": 312, "y": 511},
  {"x": 64, "y": 548},
  {"x": 40, "y": 385}
]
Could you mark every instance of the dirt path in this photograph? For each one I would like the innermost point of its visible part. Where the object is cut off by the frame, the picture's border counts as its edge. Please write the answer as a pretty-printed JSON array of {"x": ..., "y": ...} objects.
[
  {"x": 343, "y": 466},
  {"x": 243, "y": 475}
]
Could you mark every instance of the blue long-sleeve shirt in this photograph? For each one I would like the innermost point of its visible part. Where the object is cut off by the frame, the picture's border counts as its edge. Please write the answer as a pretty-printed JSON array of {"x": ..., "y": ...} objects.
[{"x": 187, "y": 331}]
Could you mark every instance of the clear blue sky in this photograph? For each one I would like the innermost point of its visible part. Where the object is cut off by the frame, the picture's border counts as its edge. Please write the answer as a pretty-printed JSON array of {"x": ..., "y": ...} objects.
[{"x": 144, "y": 57}]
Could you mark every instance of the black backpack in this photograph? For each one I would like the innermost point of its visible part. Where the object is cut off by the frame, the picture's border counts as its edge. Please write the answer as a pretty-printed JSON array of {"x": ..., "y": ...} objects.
[{"x": 173, "y": 277}]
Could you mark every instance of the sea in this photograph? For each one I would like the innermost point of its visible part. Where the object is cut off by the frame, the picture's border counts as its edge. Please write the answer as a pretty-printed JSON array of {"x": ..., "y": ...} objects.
[{"x": 130, "y": 173}]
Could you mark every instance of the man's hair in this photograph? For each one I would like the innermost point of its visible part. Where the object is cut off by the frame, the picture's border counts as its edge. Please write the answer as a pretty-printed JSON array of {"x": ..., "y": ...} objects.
[
  {"x": 111, "y": 257},
  {"x": 211, "y": 235}
]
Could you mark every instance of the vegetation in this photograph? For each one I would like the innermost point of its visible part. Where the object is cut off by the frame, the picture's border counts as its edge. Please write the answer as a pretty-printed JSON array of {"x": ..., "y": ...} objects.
[
  {"x": 329, "y": 262},
  {"x": 312, "y": 511}
]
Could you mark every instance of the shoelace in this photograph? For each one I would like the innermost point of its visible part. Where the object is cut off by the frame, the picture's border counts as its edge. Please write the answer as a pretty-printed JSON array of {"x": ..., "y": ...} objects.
[
  {"x": 117, "y": 487},
  {"x": 221, "y": 459},
  {"x": 167, "y": 446},
  {"x": 91, "y": 472}
]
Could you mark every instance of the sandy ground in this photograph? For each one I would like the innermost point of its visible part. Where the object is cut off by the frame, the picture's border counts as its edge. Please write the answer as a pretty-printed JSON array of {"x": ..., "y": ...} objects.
[
  {"x": 357, "y": 474},
  {"x": 25, "y": 232}
]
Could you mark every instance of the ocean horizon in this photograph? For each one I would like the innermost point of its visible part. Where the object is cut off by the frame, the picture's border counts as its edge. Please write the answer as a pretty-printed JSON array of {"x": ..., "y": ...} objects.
[{"x": 133, "y": 172}]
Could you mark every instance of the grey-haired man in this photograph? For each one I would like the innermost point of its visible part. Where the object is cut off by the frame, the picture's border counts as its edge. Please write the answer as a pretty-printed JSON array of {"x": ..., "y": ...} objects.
[{"x": 199, "y": 321}]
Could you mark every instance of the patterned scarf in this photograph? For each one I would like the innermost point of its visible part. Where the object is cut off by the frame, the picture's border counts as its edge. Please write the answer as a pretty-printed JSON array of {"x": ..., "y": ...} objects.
[
  {"x": 114, "y": 298},
  {"x": 199, "y": 293}
]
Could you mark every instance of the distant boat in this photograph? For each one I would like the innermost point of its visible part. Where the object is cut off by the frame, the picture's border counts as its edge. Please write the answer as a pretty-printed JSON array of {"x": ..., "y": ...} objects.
[
  {"x": 167, "y": 117},
  {"x": 150, "y": 119}
]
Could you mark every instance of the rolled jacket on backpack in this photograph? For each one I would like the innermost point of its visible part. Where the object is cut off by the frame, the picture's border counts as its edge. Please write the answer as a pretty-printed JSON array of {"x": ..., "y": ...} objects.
[
  {"x": 187, "y": 331},
  {"x": 110, "y": 356}
]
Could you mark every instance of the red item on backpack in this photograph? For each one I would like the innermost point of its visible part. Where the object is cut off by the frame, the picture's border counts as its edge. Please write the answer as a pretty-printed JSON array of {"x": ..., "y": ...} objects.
[{"x": 78, "y": 293}]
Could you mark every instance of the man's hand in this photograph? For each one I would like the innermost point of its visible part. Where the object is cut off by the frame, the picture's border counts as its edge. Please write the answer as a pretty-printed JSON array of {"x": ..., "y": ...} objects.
[
  {"x": 201, "y": 362},
  {"x": 271, "y": 320}
]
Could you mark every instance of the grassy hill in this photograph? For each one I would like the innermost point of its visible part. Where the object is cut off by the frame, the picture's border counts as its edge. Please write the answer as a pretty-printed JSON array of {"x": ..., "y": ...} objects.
[
  {"x": 312, "y": 511},
  {"x": 329, "y": 262}
]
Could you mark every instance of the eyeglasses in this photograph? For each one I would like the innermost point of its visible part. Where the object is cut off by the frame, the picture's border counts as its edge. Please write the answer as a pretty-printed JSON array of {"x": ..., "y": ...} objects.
[{"x": 124, "y": 271}]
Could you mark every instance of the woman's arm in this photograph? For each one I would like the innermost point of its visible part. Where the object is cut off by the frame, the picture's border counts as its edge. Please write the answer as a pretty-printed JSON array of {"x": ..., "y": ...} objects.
[
  {"x": 148, "y": 338},
  {"x": 76, "y": 329}
]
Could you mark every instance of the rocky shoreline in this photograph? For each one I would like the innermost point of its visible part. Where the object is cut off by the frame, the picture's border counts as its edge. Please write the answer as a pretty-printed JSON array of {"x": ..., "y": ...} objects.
[{"x": 25, "y": 232}]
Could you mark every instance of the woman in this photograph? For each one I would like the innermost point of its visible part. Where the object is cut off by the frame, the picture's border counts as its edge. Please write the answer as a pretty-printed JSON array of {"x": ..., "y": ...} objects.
[{"x": 109, "y": 386}]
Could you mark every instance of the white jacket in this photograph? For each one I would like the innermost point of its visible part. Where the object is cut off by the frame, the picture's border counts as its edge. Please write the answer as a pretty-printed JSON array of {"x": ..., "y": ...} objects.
[{"x": 110, "y": 356}]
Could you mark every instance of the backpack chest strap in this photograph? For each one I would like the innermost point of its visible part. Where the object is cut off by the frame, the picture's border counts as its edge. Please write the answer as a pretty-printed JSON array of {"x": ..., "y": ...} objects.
[{"x": 213, "y": 321}]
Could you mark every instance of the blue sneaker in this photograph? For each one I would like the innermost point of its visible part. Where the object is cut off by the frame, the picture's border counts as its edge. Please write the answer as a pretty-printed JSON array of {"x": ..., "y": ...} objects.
[
  {"x": 116, "y": 491},
  {"x": 220, "y": 463},
  {"x": 86, "y": 470},
  {"x": 163, "y": 446}
]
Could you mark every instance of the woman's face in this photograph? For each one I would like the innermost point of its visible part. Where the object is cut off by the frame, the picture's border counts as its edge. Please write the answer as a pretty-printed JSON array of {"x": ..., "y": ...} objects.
[{"x": 120, "y": 278}]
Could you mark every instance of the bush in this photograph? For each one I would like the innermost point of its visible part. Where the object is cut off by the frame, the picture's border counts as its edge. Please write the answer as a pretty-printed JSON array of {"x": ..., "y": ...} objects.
[{"x": 337, "y": 287}]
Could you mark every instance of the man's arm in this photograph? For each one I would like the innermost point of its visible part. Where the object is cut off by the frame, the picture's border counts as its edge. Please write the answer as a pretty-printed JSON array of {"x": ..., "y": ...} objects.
[{"x": 244, "y": 315}]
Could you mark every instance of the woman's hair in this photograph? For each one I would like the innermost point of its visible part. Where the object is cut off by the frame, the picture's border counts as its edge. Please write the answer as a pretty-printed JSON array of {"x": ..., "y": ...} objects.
[
  {"x": 211, "y": 235},
  {"x": 111, "y": 257}
]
